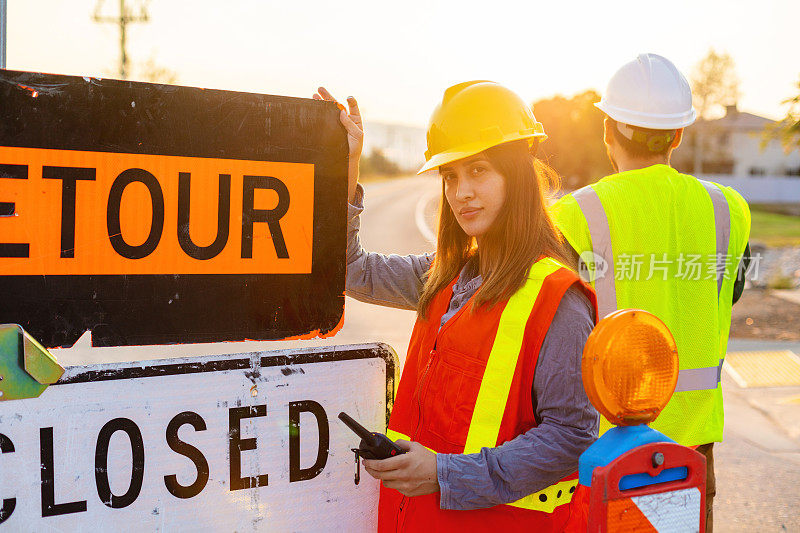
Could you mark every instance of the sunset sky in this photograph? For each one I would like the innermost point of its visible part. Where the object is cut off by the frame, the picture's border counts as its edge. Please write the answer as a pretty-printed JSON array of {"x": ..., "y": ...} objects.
[{"x": 398, "y": 57}]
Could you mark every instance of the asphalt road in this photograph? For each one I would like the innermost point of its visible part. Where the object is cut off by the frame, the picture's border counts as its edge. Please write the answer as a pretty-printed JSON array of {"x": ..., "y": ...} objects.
[{"x": 757, "y": 465}]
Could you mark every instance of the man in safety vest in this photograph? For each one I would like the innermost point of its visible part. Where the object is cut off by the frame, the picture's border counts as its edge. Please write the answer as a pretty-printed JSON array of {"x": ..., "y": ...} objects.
[{"x": 651, "y": 238}]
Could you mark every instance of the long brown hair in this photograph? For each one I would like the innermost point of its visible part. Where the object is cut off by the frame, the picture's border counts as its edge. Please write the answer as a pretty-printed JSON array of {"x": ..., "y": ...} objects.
[{"x": 522, "y": 232}]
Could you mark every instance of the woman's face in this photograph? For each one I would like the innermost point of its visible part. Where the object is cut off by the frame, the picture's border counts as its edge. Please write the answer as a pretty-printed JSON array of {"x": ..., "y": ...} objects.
[{"x": 475, "y": 191}]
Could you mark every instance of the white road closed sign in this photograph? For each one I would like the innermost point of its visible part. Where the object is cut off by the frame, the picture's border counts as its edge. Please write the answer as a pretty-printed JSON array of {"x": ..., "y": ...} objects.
[{"x": 239, "y": 442}]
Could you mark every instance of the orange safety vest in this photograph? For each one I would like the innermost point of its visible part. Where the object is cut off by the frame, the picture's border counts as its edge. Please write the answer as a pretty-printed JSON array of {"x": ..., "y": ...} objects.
[{"x": 468, "y": 386}]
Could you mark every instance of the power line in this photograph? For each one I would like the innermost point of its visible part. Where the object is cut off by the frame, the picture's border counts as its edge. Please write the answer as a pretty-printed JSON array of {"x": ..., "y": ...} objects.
[{"x": 125, "y": 17}]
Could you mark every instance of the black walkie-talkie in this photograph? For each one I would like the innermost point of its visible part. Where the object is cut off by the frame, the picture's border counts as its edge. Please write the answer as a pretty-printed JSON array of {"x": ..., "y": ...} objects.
[{"x": 373, "y": 445}]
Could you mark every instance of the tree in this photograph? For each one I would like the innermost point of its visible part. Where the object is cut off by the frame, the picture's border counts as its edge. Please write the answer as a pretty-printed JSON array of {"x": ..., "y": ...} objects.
[
  {"x": 153, "y": 72},
  {"x": 377, "y": 164},
  {"x": 786, "y": 130},
  {"x": 715, "y": 85},
  {"x": 574, "y": 146}
]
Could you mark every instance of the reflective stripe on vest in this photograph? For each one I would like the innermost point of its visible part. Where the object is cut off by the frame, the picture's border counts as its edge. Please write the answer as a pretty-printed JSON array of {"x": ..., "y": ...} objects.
[
  {"x": 722, "y": 225},
  {"x": 495, "y": 387},
  {"x": 600, "y": 234},
  {"x": 396, "y": 435},
  {"x": 691, "y": 379},
  {"x": 699, "y": 378}
]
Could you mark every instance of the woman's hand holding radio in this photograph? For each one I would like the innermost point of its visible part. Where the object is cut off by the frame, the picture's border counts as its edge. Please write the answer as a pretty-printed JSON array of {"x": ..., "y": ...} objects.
[{"x": 412, "y": 474}]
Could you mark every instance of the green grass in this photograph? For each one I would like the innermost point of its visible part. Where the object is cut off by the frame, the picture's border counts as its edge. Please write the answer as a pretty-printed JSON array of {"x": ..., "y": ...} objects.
[{"x": 774, "y": 229}]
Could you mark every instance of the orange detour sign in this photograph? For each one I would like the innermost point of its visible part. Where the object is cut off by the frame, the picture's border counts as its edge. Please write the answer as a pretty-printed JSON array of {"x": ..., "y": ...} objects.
[
  {"x": 118, "y": 217},
  {"x": 155, "y": 214}
]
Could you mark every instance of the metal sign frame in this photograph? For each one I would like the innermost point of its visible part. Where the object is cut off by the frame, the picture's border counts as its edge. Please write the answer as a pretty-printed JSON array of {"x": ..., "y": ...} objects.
[{"x": 215, "y": 363}]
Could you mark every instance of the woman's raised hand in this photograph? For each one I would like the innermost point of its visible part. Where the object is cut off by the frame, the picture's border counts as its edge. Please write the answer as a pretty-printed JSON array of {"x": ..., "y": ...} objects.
[{"x": 355, "y": 136}]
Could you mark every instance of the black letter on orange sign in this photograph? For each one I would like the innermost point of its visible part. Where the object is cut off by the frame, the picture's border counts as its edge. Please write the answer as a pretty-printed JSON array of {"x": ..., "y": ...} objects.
[
  {"x": 13, "y": 249},
  {"x": 295, "y": 408},
  {"x": 238, "y": 445},
  {"x": 187, "y": 450},
  {"x": 69, "y": 185},
  {"x": 101, "y": 463},
  {"x": 223, "y": 217},
  {"x": 271, "y": 216},
  {"x": 112, "y": 214},
  {"x": 6, "y": 446},
  {"x": 49, "y": 505}
]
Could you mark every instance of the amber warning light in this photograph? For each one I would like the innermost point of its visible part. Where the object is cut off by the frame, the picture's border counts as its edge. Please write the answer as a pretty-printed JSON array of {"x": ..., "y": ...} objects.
[{"x": 630, "y": 367}]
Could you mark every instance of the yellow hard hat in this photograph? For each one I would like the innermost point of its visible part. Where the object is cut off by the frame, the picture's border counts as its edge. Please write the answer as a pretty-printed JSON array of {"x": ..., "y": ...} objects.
[{"x": 474, "y": 116}]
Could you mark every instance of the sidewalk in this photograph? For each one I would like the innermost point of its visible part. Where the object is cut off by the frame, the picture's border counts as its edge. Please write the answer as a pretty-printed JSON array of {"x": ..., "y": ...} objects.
[
  {"x": 758, "y": 463},
  {"x": 780, "y": 404}
]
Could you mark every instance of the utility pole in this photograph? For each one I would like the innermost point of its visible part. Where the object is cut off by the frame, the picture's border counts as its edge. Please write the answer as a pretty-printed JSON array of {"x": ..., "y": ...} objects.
[{"x": 122, "y": 20}]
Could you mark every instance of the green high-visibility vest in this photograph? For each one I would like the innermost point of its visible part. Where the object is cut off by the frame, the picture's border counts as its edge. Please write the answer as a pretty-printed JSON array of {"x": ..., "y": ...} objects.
[{"x": 668, "y": 243}]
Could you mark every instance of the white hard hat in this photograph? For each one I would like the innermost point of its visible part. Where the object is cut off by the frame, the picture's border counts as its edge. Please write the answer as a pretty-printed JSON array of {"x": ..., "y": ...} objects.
[{"x": 649, "y": 92}]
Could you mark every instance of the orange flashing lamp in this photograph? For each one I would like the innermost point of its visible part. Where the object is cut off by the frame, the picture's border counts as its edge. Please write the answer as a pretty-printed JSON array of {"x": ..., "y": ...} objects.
[{"x": 630, "y": 367}]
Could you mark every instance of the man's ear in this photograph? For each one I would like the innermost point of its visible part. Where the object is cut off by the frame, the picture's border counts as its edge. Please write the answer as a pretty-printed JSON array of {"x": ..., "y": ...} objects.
[
  {"x": 607, "y": 134},
  {"x": 677, "y": 140}
]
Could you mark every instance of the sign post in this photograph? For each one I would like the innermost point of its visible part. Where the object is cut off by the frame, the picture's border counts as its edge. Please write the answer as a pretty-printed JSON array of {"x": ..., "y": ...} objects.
[
  {"x": 3, "y": 32},
  {"x": 227, "y": 442}
]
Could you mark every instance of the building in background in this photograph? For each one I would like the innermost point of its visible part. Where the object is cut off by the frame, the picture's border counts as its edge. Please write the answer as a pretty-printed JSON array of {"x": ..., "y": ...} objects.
[
  {"x": 732, "y": 145},
  {"x": 732, "y": 153}
]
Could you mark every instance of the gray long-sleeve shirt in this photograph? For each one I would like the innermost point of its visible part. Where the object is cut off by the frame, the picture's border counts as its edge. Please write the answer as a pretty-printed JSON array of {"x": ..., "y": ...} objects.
[{"x": 568, "y": 423}]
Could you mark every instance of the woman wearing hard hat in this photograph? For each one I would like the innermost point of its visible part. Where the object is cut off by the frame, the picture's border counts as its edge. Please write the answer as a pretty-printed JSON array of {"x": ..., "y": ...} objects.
[{"x": 490, "y": 405}]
